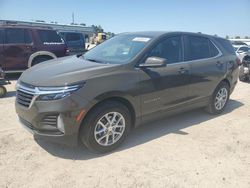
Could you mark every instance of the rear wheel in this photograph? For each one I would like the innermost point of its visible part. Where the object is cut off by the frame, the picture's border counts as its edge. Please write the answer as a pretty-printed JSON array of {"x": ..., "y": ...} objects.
[
  {"x": 219, "y": 99},
  {"x": 106, "y": 127},
  {"x": 3, "y": 91}
]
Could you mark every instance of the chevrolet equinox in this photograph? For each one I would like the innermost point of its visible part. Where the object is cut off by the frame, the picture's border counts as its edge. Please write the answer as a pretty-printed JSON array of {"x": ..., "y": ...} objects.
[{"x": 130, "y": 79}]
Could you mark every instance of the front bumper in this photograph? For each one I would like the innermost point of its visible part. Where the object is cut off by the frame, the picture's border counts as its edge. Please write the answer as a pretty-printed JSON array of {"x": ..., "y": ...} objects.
[{"x": 64, "y": 126}]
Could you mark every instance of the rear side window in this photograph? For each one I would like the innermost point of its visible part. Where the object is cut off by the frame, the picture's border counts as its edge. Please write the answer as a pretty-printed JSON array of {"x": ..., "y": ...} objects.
[
  {"x": 199, "y": 48},
  {"x": 17, "y": 36},
  {"x": 226, "y": 44},
  {"x": 170, "y": 49},
  {"x": 47, "y": 36},
  {"x": 1, "y": 36},
  {"x": 73, "y": 37},
  {"x": 213, "y": 50}
]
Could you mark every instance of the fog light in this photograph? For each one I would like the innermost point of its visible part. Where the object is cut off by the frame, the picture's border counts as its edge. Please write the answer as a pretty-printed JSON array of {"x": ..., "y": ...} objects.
[{"x": 60, "y": 124}]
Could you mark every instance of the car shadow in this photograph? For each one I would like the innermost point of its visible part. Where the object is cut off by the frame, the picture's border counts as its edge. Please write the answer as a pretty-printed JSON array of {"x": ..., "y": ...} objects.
[
  {"x": 12, "y": 76},
  {"x": 142, "y": 134},
  {"x": 10, "y": 94}
]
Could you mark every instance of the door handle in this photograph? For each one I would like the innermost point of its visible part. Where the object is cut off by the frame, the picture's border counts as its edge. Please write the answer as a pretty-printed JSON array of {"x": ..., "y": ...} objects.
[
  {"x": 182, "y": 70},
  {"x": 219, "y": 63}
]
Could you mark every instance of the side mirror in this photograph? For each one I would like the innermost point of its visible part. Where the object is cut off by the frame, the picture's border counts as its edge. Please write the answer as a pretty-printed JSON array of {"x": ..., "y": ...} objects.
[{"x": 154, "y": 62}]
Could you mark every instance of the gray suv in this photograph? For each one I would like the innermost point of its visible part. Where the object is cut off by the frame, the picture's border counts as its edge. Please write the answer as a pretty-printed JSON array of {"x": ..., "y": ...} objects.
[{"x": 130, "y": 79}]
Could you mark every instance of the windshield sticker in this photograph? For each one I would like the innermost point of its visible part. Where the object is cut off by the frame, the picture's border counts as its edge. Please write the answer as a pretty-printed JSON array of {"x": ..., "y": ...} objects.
[{"x": 141, "y": 39}]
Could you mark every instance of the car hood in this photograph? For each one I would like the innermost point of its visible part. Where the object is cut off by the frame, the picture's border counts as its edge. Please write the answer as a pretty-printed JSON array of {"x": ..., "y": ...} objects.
[{"x": 64, "y": 71}]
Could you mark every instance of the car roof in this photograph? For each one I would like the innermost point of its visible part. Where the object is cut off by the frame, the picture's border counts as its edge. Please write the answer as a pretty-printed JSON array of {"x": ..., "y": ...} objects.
[
  {"x": 154, "y": 34},
  {"x": 25, "y": 27}
]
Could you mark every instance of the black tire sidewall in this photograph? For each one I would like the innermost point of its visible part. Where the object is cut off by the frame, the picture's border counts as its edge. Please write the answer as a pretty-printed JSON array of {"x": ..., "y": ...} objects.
[{"x": 88, "y": 126}]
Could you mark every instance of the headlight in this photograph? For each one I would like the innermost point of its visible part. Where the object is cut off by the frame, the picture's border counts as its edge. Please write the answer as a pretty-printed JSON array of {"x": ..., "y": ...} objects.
[{"x": 56, "y": 93}]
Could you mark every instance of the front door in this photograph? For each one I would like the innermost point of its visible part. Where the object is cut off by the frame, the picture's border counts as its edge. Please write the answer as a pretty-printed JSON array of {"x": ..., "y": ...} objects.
[
  {"x": 18, "y": 47},
  {"x": 166, "y": 87}
]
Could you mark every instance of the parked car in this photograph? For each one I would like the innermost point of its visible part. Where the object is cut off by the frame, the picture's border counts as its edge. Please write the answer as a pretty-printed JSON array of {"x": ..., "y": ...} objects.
[
  {"x": 242, "y": 51},
  {"x": 245, "y": 69},
  {"x": 75, "y": 42},
  {"x": 237, "y": 44},
  {"x": 3, "y": 82},
  {"x": 125, "y": 81},
  {"x": 24, "y": 46}
]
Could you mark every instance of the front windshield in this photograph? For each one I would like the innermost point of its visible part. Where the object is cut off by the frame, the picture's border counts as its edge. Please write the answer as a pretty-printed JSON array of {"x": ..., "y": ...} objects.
[{"x": 117, "y": 50}]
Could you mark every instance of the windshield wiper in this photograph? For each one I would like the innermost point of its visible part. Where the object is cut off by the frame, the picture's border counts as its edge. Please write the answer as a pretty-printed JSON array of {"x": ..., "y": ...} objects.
[{"x": 95, "y": 60}]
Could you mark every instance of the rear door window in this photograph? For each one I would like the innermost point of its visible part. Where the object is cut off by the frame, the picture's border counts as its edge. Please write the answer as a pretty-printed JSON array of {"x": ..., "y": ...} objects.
[
  {"x": 170, "y": 49},
  {"x": 197, "y": 48},
  {"x": 73, "y": 37},
  {"x": 27, "y": 37},
  {"x": 15, "y": 36},
  {"x": 47, "y": 36}
]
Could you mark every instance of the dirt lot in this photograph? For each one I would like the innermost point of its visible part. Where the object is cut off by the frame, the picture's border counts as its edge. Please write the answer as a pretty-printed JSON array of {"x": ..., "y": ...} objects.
[{"x": 193, "y": 149}]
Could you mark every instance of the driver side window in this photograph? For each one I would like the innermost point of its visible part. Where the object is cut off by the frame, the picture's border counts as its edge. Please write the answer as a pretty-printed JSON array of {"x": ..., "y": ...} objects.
[{"x": 170, "y": 49}]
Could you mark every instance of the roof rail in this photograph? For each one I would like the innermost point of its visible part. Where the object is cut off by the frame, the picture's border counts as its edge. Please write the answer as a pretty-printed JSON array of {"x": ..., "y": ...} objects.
[{"x": 20, "y": 23}]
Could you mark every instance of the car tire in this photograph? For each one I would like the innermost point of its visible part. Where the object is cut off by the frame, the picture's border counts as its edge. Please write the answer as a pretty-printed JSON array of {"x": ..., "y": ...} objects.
[
  {"x": 41, "y": 59},
  {"x": 219, "y": 99},
  {"x": 3, "y": 91},
  {"x": 99, "y": 131}
]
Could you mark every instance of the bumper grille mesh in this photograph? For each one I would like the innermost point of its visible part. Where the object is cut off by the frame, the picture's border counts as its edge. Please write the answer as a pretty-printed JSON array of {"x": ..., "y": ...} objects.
[{"x": 50, "y": 120}]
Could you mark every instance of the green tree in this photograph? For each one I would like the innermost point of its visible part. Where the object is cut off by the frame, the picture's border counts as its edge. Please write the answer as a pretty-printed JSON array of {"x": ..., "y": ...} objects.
[
  {"x": 97, "y": 29},
  {"x": 237, "y": 37},
  {"x": 227, "y": 37}
]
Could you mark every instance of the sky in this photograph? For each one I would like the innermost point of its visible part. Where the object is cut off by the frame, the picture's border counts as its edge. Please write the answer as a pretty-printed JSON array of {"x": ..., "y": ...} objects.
[{"x": 221, "y": 17}]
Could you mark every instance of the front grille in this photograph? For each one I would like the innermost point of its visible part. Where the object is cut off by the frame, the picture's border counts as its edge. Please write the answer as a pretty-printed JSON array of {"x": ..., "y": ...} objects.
[
  {"x": 25, "y": 94},
  {"x": 24, "y": 98},
  {"x": 50, "y": 120}
]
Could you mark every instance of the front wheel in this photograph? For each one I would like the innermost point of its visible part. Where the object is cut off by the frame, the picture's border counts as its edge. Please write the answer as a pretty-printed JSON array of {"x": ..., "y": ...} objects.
[
  {"x": 219, "y": 99},
  {"x": 106, "y": 127}
]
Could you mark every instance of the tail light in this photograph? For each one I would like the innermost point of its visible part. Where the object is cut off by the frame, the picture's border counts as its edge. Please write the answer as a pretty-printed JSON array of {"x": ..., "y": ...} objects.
[{"x": 238, "y": 61}]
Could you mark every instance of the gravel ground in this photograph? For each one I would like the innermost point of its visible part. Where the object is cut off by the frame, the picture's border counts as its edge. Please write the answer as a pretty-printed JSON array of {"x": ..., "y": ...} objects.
[{"x": 192, "y": 149}]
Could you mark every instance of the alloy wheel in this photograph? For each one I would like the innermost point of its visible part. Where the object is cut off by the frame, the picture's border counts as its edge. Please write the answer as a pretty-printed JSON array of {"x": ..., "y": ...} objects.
[
  {"x": 109, "y": 128},
  {"x": 221, "y": 98}
]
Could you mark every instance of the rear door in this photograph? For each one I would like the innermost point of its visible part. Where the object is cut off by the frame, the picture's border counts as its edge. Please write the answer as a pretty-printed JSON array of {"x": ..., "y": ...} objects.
[
  {"x": 75, "y": 42},
  {"x": 51, "y": 41},
  {"x": 1, "y": 46},
  {"x": 207, "y": 66},
  {"x": 17, "y": 49}
]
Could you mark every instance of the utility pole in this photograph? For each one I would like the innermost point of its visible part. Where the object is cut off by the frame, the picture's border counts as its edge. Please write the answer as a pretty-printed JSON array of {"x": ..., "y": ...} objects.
[{"x": 73, "y": 18}]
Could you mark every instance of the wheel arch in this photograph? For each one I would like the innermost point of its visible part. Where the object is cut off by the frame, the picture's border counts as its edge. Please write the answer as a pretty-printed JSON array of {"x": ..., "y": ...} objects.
[
  {"x": 40, "y": 53},
  {"x": 226, "y": 80},
  {"x": 115, "y": 97}
]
